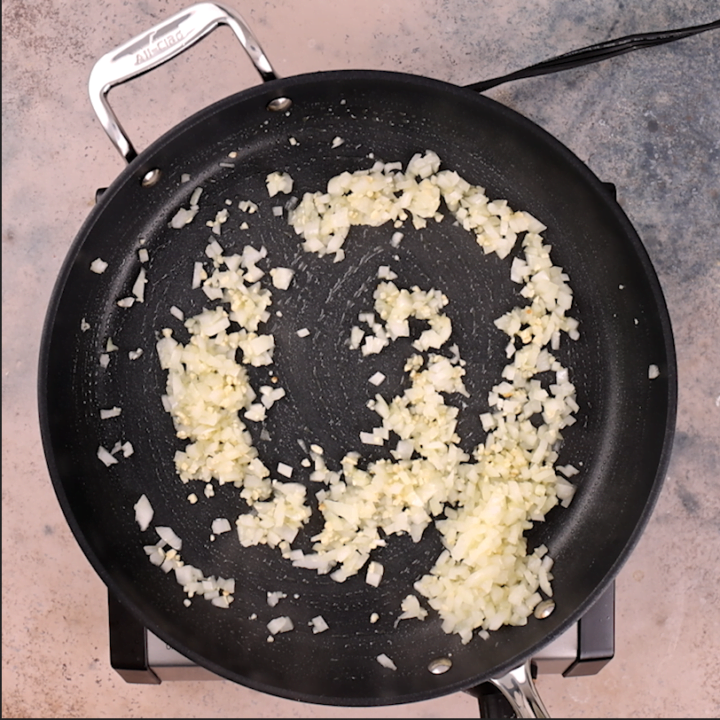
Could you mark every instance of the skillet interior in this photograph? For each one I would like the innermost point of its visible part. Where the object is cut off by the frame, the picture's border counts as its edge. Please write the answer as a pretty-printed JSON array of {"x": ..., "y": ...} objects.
[{"x": 622, "y": 436}]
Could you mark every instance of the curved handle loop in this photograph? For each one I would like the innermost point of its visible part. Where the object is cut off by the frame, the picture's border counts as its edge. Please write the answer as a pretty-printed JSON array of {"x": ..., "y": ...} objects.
[{"x": 155, "y": 47}]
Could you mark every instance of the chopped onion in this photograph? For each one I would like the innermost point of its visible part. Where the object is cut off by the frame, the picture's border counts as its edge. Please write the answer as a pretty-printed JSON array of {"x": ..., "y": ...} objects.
[
  {"x": 105, "y": 456},
  {"x": 278, "y": 183},
  {"x": 247, "y": 206},
  {"x": 269, "y": 395},
  {"x": 195, "y": 197},
  {"x": 138, "y": 289},
  {"x": 182, "y": 217},
  {"x": 98, "y": 266},
  {"x": 285, "y": 470},
  {"x": 318, "y": 624},
  {"x": 371, "y": 438},
  {"x": 110, "y": 413},
  {"x": 377, "y": 378},
  {"x": 281, "y": 277},
  {"x": 220, "y": 525},
  {"x": 143, "y": 512},
  {"x": 481, "y": 503},
  {"x": 653, "y": 371},
  {"x": 280, "y": 625},
  {"x": 256, "y": 412},
  {"x": 214, "y": 249},
  {"x": 303, "y": 332},
  {"x": 385, "y": 661},
  {"x": 167, "y": 535},
  {"x": 273, "y": 598},
  {"x": 356, "y": 337},
  {"x": 199, "y": 275},
  {"x": 411, "y": 609},
  {"x": 374, "y": 573}
]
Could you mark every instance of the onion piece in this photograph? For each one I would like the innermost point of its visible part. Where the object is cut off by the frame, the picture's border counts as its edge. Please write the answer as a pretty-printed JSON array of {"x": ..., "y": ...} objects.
[
  {"x": 411, "y": 609},
  {"x": 285, "y": 470},
  {"x": 198, "y": 276},
  {"x": 138, "y": 288},
  {"x": 167, "y": 535},
  {"x": 278, "y": 182},
  {"x": 280, "y": 625},
  {"x": 221, "y": 525},
  {"x": 143, "y": 512},
  {"x": 385, "y": 661},
  {"x": 273, "y": 598},
  {"x": 98, "y": 266},
  {"x": 105, "y": 456},
  {"x": 281, "y": 277},
  {"x": 318, "y": 624},
  {"x": 374, "y": 573}
]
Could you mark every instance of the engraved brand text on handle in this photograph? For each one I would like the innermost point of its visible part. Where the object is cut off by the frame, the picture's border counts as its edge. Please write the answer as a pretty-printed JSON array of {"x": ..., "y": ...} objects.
[{"x": 152, "y": 50}]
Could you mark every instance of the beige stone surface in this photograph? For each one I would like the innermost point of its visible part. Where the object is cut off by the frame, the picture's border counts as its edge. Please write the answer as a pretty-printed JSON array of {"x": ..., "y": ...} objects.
[{"x": 648, "y": 122}]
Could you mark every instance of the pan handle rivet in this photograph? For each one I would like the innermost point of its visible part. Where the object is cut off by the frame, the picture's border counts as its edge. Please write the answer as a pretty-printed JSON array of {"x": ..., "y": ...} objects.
[
  {"x": 150, "y": 178},
  {"x": 544, "y": 609},
  {"x": 440, "y": 665},
  {"x": 279, "y": 104}
]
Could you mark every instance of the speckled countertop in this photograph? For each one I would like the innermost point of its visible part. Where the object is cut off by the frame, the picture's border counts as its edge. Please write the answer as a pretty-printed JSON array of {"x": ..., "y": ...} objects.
[{"x": 648, "y": 122}]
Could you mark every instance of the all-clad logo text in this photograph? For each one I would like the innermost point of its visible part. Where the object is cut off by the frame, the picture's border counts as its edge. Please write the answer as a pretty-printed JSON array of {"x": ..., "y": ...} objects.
[{"x": 156, "y": 48}]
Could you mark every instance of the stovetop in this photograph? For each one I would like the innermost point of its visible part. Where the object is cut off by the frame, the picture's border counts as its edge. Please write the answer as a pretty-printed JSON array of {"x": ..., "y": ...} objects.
[{"x": 138, "y": 656}]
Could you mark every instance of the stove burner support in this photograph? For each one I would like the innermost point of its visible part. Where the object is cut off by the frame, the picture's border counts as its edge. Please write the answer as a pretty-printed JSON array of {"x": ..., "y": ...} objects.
[{"x": 140, "y": 657}]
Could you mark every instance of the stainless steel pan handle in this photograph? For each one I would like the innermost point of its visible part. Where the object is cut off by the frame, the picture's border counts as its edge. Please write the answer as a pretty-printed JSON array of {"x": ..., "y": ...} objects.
[
  {"x": 514, "y": 695},
  {"x": 519, "y": 689},
  {"x": 155, "y": 47}
]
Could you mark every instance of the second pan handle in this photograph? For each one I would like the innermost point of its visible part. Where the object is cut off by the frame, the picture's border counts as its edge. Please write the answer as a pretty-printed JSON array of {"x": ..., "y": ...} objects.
[{"x": 158, "y": 45}]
